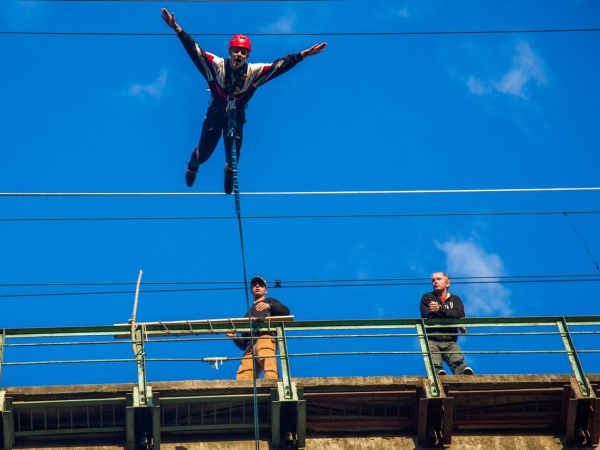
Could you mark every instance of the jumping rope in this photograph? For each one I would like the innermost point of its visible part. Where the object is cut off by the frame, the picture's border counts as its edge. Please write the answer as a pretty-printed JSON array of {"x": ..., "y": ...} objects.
[{"x": 232, "y": 124}]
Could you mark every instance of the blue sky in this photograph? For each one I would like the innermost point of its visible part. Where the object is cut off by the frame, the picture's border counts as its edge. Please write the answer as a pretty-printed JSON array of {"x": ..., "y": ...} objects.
[{"x": 121, "y": 114}]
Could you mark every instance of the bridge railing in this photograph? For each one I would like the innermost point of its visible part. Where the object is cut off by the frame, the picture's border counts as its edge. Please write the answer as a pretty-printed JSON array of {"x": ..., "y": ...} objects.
[{"x": 319, "y": 348}]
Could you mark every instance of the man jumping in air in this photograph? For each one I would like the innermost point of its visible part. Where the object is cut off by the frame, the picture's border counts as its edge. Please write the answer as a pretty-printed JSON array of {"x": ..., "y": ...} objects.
[{"x": 228, "y": 78}]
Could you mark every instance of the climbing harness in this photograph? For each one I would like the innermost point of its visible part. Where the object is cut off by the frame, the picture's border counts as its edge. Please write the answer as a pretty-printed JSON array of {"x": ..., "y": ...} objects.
[
  {"x": 234, "y": 86},
  {"x": 231, "y": 123}
]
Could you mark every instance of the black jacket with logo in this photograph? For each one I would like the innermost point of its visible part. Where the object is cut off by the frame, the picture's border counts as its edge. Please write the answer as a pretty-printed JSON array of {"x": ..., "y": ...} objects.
[
  {"x": 452, "y": 308},
  {"x": 277, "y": 309}
]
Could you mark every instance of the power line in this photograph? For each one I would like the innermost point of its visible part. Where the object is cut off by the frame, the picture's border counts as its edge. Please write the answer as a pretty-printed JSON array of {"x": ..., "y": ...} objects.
[
  {"x": 298, "y": 216},
  {"x": 323, "y": 34},
  {"x": 334, "y": 280},
  {"x": 197, "y": 194},
  {"x": 188, "y": 1},
  {"x": 355, "y": 283}
]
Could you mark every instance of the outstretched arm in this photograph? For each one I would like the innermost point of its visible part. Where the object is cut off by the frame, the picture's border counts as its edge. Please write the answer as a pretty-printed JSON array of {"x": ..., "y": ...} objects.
[
  {"x": 315, "y": 49},
  {"x": 169, "y": 19}
]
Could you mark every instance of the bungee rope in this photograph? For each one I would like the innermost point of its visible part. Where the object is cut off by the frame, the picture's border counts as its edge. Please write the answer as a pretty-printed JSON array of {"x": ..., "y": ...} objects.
[{"x": 232, "y": 124}]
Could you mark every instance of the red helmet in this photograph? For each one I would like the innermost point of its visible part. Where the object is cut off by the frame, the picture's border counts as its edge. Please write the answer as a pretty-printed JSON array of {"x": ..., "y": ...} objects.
[{"x": 239, "y": 40}]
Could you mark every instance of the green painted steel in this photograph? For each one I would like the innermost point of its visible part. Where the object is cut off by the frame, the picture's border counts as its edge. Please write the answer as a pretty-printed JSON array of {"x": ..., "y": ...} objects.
[
  {"x": 287, "y": 330},
  {"x": 2, "y": 339},
  {"x": 241, "y": 325},
  {"x": 140, "y": 394},
  {"x": 286, "y": 375},
  {"x": 584, "y": 385},
  {"x": 68, "y": 361},
  {"x": 434, "y": 389},
  {"x": 8, "y": 424}
]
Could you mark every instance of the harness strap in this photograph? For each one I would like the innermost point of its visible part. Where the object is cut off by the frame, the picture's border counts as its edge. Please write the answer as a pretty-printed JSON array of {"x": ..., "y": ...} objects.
[{"x": 234, "y": 88}]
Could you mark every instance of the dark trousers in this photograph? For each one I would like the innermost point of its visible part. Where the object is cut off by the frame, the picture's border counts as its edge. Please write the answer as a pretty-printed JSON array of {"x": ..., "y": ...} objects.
[
  {"x": 216, "y": 124},
  {"x": 454, "y": 360}
]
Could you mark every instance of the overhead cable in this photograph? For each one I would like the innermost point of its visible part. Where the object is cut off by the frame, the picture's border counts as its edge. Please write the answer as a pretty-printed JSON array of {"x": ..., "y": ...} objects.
[
  {"x": 188, "y": 1},
  {"x": 197, "y": 194},
  {"x": 357, "y": 283},
  {"x": 296, "y": 216},
  {"x": 323, "y": 34},
  {"x": 282, "y": 282}
]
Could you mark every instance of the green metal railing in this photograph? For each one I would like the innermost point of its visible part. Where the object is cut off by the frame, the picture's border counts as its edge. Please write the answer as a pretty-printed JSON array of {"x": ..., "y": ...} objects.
[{"x": 290, "y": 333}]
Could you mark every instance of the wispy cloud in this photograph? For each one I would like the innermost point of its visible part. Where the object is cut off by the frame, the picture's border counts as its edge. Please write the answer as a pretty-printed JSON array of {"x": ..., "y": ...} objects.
[
  {"x": 403, "y": 12},
  {"x": 414, "y": 9},
  {"x": 466, "y": 258},
  {"x": 284, "y": 24},
  {"x": 154, "y": 89},
  {"x": 527, "y": 69},
  {"x": 361, "y": 258}
]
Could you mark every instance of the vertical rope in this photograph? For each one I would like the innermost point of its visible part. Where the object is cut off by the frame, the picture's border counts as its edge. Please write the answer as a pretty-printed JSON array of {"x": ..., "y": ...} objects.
[{"x": 231, "y": 133}]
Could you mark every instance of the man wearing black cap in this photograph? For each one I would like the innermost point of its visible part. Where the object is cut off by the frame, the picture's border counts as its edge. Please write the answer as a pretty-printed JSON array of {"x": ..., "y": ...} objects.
[{"x": 265, "y": 345}]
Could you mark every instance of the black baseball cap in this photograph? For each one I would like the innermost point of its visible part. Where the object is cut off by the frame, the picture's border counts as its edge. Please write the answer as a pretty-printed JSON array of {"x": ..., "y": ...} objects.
[{"x": 259, "y": 280}]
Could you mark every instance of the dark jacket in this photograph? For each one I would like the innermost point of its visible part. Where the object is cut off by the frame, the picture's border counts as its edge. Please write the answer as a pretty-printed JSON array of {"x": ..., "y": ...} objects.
[
  {"x": 452, "y": 308},
  {"x": 277, "y": 309}
]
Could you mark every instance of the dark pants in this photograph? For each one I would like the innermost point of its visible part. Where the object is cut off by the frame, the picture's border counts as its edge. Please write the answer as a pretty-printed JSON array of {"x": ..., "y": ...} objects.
[
  {"x": 216, "y": 124},
  {"x": 454, "y": 360}
]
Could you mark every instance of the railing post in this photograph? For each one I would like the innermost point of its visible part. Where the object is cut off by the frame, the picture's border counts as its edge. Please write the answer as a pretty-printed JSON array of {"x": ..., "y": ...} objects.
[
  {"x": 2, "y": 339},
  {"x": 435, "y": 411},
  {"x": 6, "y": 410},
  {"x": 581, "y": 403},
  {"x": 434, "y": 389},
  {"x": 140, "y": 359},
  {"x": 288, "y": 409},
  {"x": 129, "y": 423},
  {"x": 156, "y": 421},
  {"x": 275, "y": 413},
  {"x": 584, "y": 385},
  {"x": 286, "y": 375}
]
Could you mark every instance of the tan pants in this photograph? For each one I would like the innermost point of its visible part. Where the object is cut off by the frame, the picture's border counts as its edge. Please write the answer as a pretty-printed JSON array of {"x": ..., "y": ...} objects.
[{"x": 264, "y": 351}]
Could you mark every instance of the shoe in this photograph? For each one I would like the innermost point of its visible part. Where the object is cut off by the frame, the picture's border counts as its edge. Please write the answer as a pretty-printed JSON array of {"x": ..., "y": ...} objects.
[
  {"x": 190, "y": 177},
  {"x": 228, "y": 183},
  {"x": 468, "y": 371},
  {"x": 441, "y": 372}
]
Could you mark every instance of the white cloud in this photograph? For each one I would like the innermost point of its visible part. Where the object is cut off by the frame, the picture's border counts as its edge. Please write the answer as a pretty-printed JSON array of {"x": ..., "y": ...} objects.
[
  {"x": 527, "y": 69},
  {"x": 466, "y": 258},
  {"x": 283, "y": 25},
  {"x": 155, "y": 89}
]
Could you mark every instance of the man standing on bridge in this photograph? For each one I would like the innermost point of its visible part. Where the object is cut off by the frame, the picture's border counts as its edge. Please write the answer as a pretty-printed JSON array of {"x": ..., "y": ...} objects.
[
  {"x": 441, "y": 304},
  {"x": 265, "y": 345}
]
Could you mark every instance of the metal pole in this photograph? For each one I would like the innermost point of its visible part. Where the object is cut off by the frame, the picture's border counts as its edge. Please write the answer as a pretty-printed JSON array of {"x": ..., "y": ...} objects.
[
  {"x": 137, "y": 293},
  {"x": 286, "y": 375},
  {"x": 574, "y": 358},
  {"x": 431, "y": 375},
  {"x": 2, "y": 339},
  {"x": 140, "y": 357}
]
